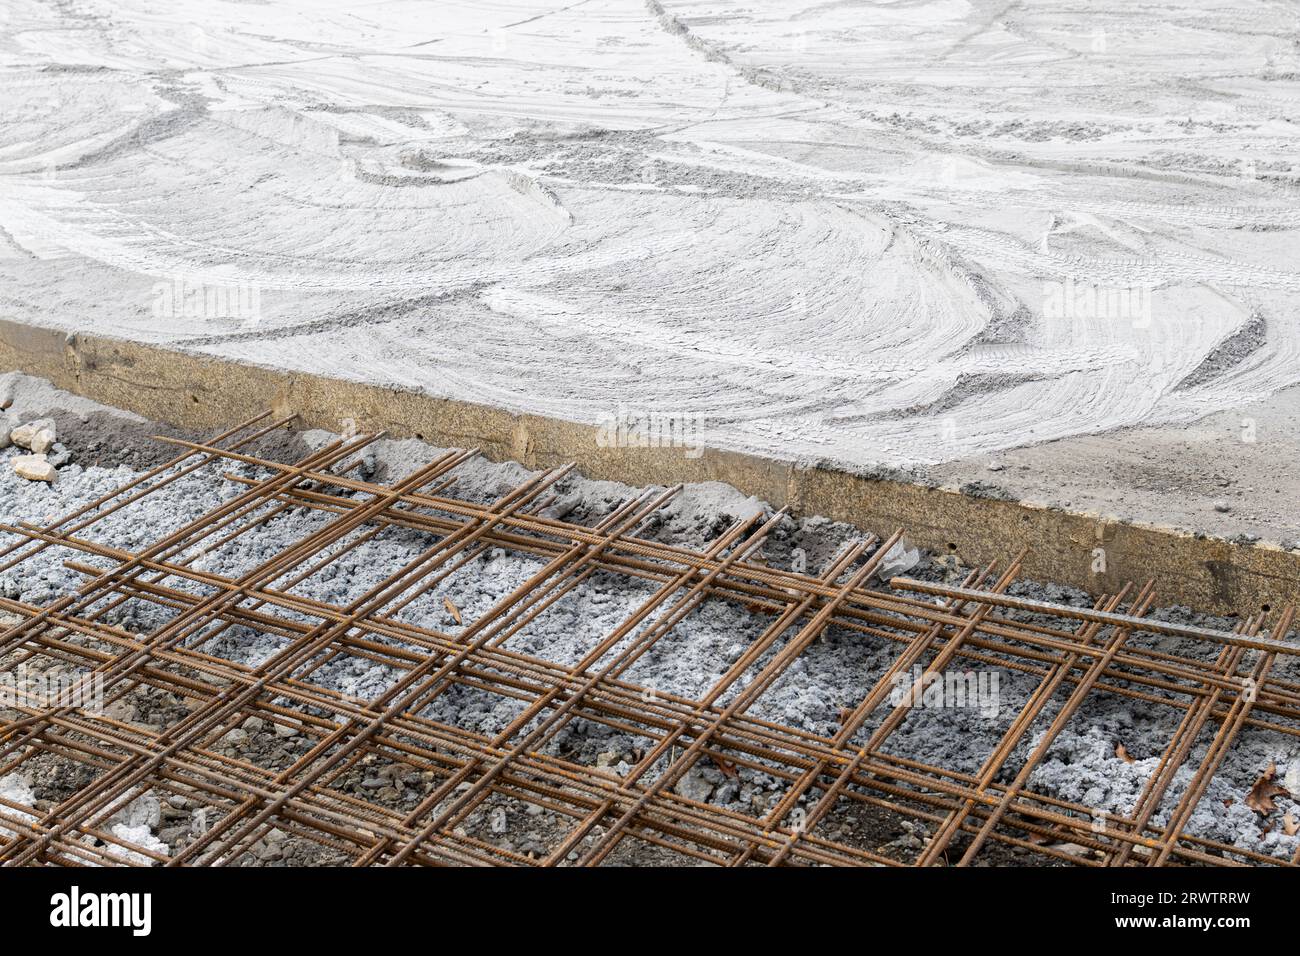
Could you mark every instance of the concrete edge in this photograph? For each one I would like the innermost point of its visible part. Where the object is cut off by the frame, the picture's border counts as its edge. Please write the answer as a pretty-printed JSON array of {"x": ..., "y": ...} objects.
[{"x": 1094, "y": 552}]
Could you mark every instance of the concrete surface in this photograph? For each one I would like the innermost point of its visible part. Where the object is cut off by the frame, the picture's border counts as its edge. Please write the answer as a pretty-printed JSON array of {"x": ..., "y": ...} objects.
[
  {"x": 1234, "y": 473},
  {"x": 872, "y": 234}
]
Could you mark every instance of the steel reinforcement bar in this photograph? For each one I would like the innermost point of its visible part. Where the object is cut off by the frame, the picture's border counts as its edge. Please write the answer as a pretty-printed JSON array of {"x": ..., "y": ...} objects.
[{"x": 273, "y": 756}]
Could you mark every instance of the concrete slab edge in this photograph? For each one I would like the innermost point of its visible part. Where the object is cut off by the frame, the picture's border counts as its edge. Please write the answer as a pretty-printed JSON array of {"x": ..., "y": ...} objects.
[{"x": 1091, "y": 551}]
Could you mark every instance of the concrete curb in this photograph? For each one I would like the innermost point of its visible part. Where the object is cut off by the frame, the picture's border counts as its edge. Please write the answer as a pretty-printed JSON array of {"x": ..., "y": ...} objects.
[{"x": 208, "y": 393}]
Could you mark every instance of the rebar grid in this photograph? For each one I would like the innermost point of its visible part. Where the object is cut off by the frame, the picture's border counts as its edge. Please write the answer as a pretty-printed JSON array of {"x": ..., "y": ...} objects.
[{"x": 456, "y": 776}]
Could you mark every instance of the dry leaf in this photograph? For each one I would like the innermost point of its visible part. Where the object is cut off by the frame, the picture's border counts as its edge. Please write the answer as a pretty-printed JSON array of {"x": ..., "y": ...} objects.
[
  {"x": 1229, "y": 802},
  {"x": 728, "y": 769},
  {"x": 1266, "y": 788},
  {"x": 1289, "y": 825},
  {"x": 845, "y": 714},
  {"x": 1122, "y": 754},
  {"x": 451, "y": 609}
]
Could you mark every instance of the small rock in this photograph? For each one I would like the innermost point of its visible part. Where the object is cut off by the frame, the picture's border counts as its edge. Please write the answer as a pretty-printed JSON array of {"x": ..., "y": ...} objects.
[
  {"x": 235, "y": 738},
  {"x": 693, "y": 786},
  {"x": 367, "y": 465},
  {"x": 1222, "y": 506},
  {"x": 144, "y": 811},
  {"x": 254, "y": 725},
  {"x": 42, "y": 441},
  {"x": 22, "y": 435},
  {"x": 1073, "y": 849},
  {"x": 173, "y": 835},
  {"x": 285, "y": 730},
  {"x": 908, "y": 841},
  {"x": 59, "y": 455},
  {"x": 35, "y": 468}
]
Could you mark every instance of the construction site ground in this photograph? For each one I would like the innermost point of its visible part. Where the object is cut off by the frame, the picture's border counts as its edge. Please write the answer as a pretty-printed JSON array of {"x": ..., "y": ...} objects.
[{"x": 400, "y": 653}]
